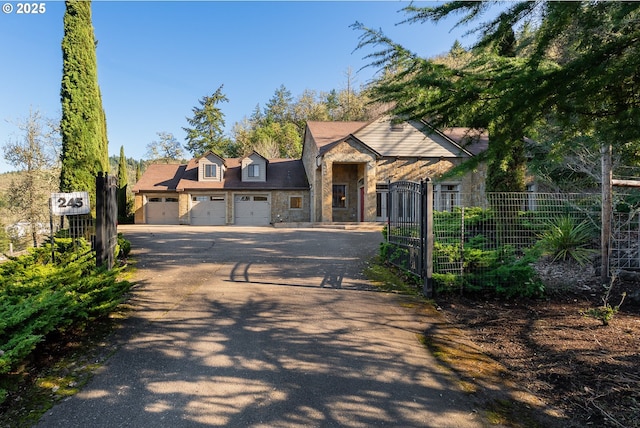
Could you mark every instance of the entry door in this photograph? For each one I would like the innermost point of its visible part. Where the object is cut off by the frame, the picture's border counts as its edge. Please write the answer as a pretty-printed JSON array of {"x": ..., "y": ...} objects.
[{"x": 361, "y": 206}]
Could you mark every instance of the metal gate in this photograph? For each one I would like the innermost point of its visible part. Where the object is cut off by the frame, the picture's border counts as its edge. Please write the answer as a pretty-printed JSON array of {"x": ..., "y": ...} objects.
[{"x": 409, "y": 229}]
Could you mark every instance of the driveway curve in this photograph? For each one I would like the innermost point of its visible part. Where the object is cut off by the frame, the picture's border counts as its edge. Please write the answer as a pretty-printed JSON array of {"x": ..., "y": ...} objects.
[{"x": 263, "y": 327}]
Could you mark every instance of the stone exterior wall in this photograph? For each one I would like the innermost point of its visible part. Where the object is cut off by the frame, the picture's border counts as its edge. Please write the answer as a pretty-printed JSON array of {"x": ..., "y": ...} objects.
[
  {"x": 473, "y": 187},
  {"x": 280, "y": 211},
  {"x": 184, "y": 204},
  {"x": 363, "y": 162},
  {"x": 138, "y": 207},
  {"x": 309, "y": 155}
]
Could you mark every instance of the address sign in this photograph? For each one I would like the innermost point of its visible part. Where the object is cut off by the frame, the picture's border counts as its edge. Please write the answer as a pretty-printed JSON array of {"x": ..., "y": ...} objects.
[{"x": 74, "y": 203}]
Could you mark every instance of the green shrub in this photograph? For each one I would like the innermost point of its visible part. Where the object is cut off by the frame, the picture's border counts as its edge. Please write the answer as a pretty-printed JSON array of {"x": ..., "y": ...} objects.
[
  {"x": 445, "y": 283},
  {"x": 501, "y": 272},
  {"x": 124, "y": 247},
  {"x": 38, "y": 297}
]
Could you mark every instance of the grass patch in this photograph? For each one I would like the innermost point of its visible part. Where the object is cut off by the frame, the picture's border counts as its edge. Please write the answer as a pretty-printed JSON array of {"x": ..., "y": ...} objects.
[{"x": 391, "y": 279}]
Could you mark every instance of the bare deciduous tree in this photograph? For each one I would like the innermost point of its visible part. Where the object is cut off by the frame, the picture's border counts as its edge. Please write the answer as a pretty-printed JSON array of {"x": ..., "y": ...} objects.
[{"x": 35, "y": 154}]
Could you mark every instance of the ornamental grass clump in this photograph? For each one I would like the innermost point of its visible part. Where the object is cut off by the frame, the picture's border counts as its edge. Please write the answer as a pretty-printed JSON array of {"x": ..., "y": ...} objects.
[{"x": 565, "y": 239}]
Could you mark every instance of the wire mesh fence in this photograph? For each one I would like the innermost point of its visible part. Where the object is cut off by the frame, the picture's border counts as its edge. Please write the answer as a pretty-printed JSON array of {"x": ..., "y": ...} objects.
[
  {"x": 24, "y": 235},
  {"x": 494, "y": 244},
  {"x": 468, "y": 239},
  {"x": 625, "y": 242}
]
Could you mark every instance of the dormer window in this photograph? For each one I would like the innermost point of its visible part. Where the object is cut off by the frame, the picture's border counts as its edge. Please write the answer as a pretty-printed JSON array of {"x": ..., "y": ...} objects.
[
  {"x": 211, "y": 167},
  {"x": 210, "y": 171},
  {"x": 253, "y": 170}
]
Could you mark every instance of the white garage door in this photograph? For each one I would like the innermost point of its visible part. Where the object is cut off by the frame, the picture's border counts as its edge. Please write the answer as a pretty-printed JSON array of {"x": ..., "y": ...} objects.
[
  {"x": 208, "y": 211},
  {"x": 252, "y": 210},
  {"x": 162, "y": 210}
]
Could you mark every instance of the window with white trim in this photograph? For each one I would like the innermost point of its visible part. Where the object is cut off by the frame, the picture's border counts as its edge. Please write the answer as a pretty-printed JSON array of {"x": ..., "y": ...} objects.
[{"x": 448, "y": 197}]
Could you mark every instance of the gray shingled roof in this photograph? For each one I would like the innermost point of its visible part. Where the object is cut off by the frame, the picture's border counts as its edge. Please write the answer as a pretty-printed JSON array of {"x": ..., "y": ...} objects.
[{"x": 474, "y": 140}]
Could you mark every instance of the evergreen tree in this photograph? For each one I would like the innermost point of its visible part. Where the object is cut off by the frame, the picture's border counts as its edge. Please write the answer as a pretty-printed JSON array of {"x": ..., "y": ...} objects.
[
  {"x": 83, "y": 125},
  {"x": 579, "y": 70},
  {"x": 207, "y": 126},
  {"x": 279, "y": 107}
]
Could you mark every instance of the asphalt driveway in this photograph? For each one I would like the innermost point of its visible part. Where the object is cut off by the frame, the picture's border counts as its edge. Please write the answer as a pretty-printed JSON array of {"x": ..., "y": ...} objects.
[{"x": 263, "y": 327}]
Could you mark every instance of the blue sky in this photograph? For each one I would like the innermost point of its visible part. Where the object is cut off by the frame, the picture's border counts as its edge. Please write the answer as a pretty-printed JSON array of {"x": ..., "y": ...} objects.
[{"x": 156, "y": 59}]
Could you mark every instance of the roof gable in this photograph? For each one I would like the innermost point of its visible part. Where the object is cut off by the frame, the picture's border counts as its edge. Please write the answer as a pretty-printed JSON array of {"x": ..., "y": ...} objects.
[
  {"x": 407, "y": 139},
  {"x": 411, "y": 139},
  {"x": 211, "y": 167},
  {"x": 354, "y": 142},
  {"x": 254, "y": 167}
]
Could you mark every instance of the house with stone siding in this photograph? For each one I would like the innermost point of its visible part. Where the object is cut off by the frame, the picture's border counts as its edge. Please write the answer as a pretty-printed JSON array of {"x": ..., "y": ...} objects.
[
  {"x": 343, "y": 176},
  {"x": 349, "y": 165}
]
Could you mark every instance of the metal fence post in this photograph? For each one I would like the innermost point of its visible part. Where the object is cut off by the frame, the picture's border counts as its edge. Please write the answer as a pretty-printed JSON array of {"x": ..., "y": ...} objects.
[{"x": 427, "y": 237}]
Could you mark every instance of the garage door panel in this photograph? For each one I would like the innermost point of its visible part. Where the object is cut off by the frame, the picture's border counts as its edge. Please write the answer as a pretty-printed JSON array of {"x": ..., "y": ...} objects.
[
  {"x": 252, "y": 210},
  {"x": 162, "y": 210},
  {"x": 208, "y": 211}
]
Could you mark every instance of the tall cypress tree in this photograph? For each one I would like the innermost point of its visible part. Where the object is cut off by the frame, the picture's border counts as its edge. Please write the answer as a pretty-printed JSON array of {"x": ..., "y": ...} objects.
[
  {"x": 83, "y": 124},
  {"x": 123, "y": 181}
]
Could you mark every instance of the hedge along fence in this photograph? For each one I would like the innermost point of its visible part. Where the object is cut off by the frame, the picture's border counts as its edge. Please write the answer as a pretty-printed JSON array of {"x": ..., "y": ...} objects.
[{"x": 38, "y": 297}]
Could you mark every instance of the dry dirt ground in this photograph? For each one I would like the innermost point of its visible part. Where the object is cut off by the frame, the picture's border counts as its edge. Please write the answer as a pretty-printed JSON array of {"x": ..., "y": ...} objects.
[{"x": 588, "y": 372}]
